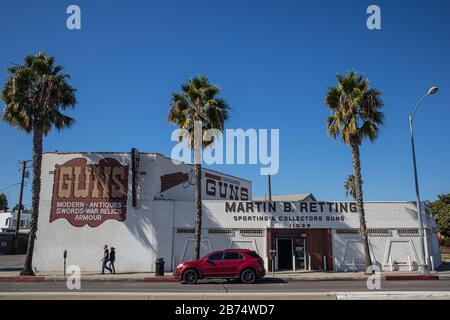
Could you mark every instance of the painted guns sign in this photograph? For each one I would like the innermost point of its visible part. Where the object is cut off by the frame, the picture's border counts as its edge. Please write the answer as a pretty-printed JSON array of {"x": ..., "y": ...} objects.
[{"x": 89, "y": 193}]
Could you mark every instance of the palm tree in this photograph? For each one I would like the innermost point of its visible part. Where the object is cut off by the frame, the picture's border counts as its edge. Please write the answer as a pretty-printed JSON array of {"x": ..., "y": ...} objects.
[
  {"x": 349, "y": 186},
  {"x": 34, "y": 95},
  {"x": 355, "y": 115},
  {"x": 196, "y": 103}
]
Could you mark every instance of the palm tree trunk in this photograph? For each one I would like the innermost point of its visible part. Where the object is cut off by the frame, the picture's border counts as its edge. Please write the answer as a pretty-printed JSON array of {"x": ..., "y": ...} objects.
[
  {"x": 360, "y": 203},
  {"x": 36, "y": 189},
  {"x": 198, "y": 208}
]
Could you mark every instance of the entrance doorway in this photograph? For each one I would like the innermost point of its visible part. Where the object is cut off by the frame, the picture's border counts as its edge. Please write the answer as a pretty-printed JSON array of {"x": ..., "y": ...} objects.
[
  {"x": 300, "y": 249},
  {"x": 284, "y": 254}
]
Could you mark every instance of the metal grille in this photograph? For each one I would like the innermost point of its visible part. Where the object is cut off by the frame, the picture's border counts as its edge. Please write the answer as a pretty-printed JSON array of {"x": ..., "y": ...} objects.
[
  {"x": 185, "y": 230},
  {"x": 347, "y": 231},
  {"x": 377, "y": 232},
  {"x": 228, "y": 232},
  {"x": 408, "y": 232},
  {"x": 252, "y": 232}
]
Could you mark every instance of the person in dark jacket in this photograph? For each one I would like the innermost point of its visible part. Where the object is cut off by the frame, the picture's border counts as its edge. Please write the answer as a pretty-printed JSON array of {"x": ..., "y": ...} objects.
[
  {"x": 112, "y": 259},
  {"x": 105, "y": 259}
]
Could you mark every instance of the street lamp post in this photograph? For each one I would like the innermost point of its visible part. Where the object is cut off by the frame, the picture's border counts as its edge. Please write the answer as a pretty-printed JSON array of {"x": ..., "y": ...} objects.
[{"x": 423, "y": 267}]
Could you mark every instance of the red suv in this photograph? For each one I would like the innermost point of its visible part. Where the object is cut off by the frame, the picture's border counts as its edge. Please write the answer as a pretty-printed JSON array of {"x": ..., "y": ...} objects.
[{"x": 245, "y": 265}]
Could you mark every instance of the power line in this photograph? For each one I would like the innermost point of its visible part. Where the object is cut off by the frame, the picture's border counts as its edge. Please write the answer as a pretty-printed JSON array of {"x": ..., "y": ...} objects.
[{"x": 15, "y": 184}]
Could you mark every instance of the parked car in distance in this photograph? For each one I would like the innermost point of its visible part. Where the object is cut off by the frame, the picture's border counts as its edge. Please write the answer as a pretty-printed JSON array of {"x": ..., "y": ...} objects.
[{"x": 245, "y": 265}]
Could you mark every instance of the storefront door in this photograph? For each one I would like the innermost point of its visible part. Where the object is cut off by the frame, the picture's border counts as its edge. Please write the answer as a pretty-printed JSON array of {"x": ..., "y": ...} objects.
[
  {"x": 284, "y": 254},
  {"x": 300, "y": 253}
]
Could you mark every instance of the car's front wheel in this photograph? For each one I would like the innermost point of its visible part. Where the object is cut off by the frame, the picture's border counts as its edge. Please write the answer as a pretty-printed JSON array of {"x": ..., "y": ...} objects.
[
  {"x": 190, "y": 276},
  {"x": 248, "y": 276}
]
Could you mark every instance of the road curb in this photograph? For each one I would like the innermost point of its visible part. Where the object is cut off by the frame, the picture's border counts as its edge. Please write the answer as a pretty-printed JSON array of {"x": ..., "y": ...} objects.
[
  {"x": 22, "y": 279},
  {"x": 170, "y": 279},
  {"x": 411, "y": 278},
  {"x": 159, "y": 279},
  {"x": 319, "y": 279}
]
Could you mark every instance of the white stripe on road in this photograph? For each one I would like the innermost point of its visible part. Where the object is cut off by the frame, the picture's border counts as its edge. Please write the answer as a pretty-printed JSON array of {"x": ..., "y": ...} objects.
[{"x": 373, "y": 295}]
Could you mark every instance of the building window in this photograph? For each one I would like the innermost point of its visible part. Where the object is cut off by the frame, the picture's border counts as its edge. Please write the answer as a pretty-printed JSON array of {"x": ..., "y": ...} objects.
[
  {"x": 228, "y": 232},
  {"x": 185, "y": 230},
  {"x": 252, "y": 232},
  {"x": 408, "y": 232},
  {"x": 232, "y": 256}
]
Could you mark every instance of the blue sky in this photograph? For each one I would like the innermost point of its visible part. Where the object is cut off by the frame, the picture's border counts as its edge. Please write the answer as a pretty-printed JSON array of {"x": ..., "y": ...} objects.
[{"x": 273, "y": 61}]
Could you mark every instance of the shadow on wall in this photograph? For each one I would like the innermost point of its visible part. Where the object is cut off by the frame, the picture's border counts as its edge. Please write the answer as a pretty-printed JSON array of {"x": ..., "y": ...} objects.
[
  {"x": 139, "y": 223},
  {"x": 412, "y": 212},
  {"x": 184, "y": 243}
]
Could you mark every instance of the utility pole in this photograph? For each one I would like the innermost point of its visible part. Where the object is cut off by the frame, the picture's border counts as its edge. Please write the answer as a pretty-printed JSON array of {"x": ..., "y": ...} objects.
[
  {"x": 19, "y": 209},
  {"x": 270, "y": 188}
]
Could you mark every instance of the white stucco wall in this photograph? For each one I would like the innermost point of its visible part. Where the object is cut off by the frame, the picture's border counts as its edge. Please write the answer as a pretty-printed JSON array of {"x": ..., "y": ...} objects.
[
  {"x": 160, "y": 228},
  {"x": 145, "y": 234}
]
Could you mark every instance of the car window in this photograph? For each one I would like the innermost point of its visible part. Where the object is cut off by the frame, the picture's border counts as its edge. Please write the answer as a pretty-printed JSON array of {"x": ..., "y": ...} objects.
[
  {"x": 216, "y": 256},
  {"x": 232, "y": 256},
  {"x": 253, "y": 254}
]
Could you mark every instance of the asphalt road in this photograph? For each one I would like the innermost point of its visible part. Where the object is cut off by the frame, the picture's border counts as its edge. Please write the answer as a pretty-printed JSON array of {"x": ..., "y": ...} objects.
[{"x": 226, "y": 287}]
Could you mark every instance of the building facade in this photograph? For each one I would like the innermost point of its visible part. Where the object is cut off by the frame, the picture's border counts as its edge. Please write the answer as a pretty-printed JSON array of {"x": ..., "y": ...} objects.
[
  {"x": 8, "y": 221},
  {"x": 142, "y": 204}
]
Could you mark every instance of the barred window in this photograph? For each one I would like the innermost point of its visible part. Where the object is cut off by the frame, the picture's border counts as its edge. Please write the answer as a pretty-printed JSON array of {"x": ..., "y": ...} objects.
[
  {"x": 408, "y": 232},
  {"x": 185, "y": 230},
  {"x": 252, "y": 232},
  {"x": 228, "y": 232},
  {"x": 377, "y": 232},
  {"x": 347, "y": 231}
]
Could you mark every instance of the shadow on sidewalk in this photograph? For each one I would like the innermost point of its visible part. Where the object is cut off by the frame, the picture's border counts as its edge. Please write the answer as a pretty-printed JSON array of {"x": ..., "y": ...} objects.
[
  {"x": 445, "y": 266},
  {"x": 237, "y": 281},
  {"x": 10, "y": 269}
]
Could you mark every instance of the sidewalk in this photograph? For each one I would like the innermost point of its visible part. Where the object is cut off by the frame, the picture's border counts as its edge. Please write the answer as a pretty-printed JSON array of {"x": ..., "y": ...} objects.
[
  {"x": 288, "y": 276},
  {"x": 10, "y": 267}
]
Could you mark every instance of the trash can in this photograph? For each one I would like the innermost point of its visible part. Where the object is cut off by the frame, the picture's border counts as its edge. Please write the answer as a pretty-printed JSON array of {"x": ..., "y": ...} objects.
[{"x": 159, "y": 267}]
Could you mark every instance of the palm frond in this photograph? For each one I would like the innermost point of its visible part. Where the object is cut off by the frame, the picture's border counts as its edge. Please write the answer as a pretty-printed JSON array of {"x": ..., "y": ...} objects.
[
  {"x": 35, "y": 93},
  {"x": 355, "y": 109},
  {"x": 198, "y": 101}
]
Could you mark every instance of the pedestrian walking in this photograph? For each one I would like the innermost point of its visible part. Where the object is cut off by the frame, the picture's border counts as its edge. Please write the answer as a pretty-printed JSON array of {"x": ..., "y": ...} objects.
[
  {"x": 105, "y": 259},
  {"x": 112, "y": 259}
]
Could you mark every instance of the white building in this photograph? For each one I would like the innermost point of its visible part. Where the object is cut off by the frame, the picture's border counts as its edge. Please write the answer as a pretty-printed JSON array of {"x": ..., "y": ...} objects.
[
  {"x": 146, "y": 212},
  {"x": 8, "y": 221}
]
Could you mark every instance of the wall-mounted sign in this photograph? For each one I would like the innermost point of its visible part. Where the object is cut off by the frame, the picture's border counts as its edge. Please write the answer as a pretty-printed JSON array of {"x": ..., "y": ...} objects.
[
  {"x": 90, "y": 193},
  {"x": 224, "y": 188},
  {"x": 303, "y": 214},
  {"x": 215, "y": 186}
]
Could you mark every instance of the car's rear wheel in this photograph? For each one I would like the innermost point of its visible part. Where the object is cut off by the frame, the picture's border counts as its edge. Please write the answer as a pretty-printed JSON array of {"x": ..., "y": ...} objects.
[
  {"x": 248, "y": 276},
  {"x": 190, "y": 276}
]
